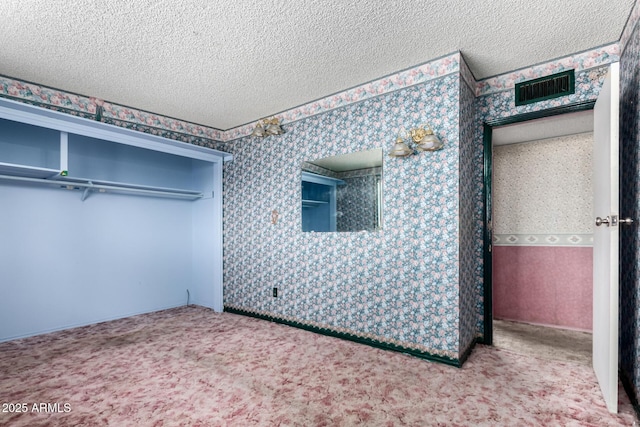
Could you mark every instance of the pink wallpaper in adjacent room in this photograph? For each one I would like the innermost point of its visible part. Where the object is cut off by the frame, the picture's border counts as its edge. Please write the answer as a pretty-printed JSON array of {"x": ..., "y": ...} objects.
[{"x": 544, "y": 285}]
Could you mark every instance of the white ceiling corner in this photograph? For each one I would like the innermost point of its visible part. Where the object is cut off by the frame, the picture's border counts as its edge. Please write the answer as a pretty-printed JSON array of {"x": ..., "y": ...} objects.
[
  {"x": 226, "y": 63},
  {"x": 351, "y": 161},
  {"x": 543, "y": 128}
]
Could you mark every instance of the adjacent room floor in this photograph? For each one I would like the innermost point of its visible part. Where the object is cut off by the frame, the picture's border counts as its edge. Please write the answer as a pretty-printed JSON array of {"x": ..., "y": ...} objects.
[{"x": 543, "y": 342}]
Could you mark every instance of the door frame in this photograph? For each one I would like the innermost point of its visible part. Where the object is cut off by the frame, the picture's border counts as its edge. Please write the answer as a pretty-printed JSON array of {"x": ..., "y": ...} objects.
[{"x": 487, "y": 197}]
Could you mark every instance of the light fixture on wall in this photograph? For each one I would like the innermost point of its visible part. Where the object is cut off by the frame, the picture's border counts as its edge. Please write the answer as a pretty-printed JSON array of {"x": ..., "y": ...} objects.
[
  {"x": 423, "y": 139},
  {"x": 267, "y": 127},
  {"x": 400, "y": 149}
]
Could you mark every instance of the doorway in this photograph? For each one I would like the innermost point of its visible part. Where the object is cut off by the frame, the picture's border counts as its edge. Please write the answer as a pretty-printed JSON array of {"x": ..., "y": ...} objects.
[{"x": 538, "y": 289}]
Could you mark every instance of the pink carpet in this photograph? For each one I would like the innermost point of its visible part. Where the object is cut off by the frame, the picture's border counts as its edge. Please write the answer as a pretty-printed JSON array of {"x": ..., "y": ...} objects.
[{"x": 193, "y": 367}]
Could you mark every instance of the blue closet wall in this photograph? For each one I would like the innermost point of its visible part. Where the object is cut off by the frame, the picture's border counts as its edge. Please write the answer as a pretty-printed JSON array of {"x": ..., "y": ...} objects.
[
  {"x": 68, "y": 260},
  {"x": 66, "y": 263}
]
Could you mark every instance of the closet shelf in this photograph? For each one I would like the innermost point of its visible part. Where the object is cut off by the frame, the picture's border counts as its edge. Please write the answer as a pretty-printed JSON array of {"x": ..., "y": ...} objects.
[
  {"x": 88, "y": 186},
  {"x": 312, "y": 203},
  {"x": 42, "y": 147},
  {"x": 12, "y": 169}
]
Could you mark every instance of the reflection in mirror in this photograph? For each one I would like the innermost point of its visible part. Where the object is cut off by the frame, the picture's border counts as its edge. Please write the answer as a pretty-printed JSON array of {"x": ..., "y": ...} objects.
[{"x": 343, "y": 193}]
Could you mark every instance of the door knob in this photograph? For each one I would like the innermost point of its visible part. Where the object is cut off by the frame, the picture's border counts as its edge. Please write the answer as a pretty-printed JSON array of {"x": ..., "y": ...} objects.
[
  {"x": 600, "y": 221},
  {"x": 626, "y": 221}
]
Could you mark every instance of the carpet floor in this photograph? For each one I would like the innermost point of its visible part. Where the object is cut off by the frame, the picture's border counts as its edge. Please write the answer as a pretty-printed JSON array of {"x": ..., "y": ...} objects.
[
  {"x": 543, "y": 342},
  {"x": 192, "y": 367}
]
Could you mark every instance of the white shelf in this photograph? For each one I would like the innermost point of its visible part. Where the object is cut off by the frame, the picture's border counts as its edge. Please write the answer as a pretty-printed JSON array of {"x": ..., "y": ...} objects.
[
  {"x": 25, "y": 113},
  {"x": 312, "y": 203},
  {"x": 107, "y": 159},
  {"x": 12, "y": 169},
  {"x": 321, "y": 179}
]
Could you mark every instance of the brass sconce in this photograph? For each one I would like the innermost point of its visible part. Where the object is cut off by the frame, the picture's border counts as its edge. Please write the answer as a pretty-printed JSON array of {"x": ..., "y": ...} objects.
[
  {"x": 400, "y": 149},
  {"x": 267, "y": 127},
  {"x": 423, "y": 139}
]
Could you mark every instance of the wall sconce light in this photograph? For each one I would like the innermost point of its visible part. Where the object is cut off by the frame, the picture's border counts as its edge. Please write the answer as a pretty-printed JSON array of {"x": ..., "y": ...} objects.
[
  {"x": 400, "y": 149},
  {"x": 423, "y": 139},
  {"x": 267, "y": 127}
]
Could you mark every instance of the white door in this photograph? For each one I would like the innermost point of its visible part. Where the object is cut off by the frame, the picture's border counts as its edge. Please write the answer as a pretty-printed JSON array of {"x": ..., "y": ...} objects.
[{"x": 605, "y": 238}]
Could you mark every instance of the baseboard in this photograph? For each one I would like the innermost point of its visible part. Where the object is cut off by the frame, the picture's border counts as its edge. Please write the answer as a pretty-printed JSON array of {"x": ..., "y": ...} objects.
[
  {"x": 631, "y": 391},
  {"x": 91, "y": 322},
  {"x": 465, "y": 355},
  {"x": 352, "y": 337}
]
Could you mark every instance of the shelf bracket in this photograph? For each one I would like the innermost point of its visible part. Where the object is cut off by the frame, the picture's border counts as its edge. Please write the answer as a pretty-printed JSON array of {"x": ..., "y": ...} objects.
[{"x": 86, "y": 191}]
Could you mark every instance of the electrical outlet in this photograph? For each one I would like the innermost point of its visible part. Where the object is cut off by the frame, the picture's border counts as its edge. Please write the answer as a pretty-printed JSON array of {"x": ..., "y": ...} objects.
[{"x": 275, "y": 292}]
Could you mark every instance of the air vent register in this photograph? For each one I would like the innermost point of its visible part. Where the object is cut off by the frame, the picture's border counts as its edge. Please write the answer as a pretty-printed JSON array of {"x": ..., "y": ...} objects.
[{"x": 544, "y": 88}]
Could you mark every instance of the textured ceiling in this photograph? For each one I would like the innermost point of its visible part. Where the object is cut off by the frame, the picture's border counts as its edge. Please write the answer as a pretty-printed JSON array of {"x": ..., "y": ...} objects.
[{"x": 227, "y": 63}]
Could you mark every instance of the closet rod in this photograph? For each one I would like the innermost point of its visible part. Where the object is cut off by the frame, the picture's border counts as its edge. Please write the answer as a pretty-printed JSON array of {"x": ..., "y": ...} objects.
[{"x": 91, "y": 186}]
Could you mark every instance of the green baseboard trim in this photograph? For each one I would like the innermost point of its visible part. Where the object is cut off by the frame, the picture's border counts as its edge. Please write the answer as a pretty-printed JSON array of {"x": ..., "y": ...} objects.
[
  {"x": 465, "y": 355},
  {"x": 631, "y": 391},
  {"x": 351, "y": 337}
]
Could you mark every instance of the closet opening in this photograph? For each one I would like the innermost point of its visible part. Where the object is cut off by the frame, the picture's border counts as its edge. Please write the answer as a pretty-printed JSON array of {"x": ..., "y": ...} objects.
[{"x": 539, "y": 234}]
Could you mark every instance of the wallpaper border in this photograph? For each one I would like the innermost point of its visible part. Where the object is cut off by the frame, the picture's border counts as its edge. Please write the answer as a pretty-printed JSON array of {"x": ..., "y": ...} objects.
[
  {"x": 148, "y": 122},
  {"x": 343, "y": 333},
  {"x": 431, "y": 70},
  {"x": 580, "y": 61},
  {"x": 97, "y": 109},
  {"x": 543, "y": 239}
]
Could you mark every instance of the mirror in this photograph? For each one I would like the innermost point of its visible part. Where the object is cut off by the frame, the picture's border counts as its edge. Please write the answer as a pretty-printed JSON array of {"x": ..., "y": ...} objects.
[{"x": 343, "y": 193}]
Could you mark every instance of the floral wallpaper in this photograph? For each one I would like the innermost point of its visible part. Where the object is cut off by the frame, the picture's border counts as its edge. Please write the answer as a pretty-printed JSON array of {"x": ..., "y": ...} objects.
[
  {"x": 557, "y": 174},
  {"x": 630, "y": 207},
  {"x": 357, "y": 202},
  {"x": 398, "y": 285},
  {"x": 470, "y": 217}
]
